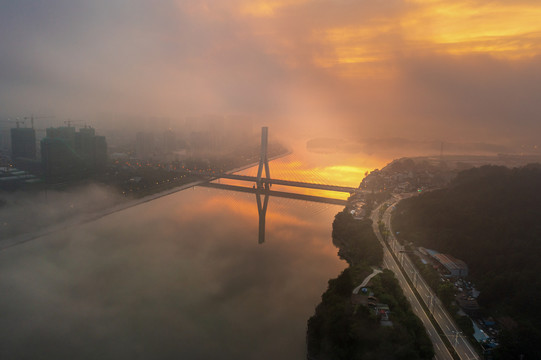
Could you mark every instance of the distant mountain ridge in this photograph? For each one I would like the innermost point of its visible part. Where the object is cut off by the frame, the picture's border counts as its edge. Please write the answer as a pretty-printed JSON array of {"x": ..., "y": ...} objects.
[{"x": 407, "y": 147}]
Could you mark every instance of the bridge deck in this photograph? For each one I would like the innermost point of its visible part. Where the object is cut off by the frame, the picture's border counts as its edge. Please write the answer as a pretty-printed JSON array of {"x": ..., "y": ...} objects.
[
  {"x": 282, "y": 194},
  {"x": 275, "y": 181}
]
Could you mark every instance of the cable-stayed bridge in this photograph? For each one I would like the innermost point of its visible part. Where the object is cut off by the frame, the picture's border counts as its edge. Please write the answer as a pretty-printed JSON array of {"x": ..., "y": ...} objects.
[
  {"x": 262, "y": 186},
  {"x": 265, "y": 182}
]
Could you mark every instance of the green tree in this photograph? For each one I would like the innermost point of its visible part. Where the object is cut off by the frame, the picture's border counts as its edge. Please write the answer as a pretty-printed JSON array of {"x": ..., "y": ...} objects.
[{"x": 446, "y": 293}]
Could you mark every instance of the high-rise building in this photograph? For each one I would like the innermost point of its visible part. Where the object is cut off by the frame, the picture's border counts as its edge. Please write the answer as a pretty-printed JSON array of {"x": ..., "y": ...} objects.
[
  {"x": 23, "y": 143},
  {"x": 67, "y": 154},
  {"x": 92, "y": 148}
]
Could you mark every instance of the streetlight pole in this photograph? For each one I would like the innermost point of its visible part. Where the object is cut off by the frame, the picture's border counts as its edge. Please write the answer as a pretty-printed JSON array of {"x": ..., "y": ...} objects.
[{"x": 457, "y": 333}]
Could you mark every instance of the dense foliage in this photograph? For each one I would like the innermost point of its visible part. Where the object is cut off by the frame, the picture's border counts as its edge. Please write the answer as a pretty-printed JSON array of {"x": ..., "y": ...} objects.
[
  {"x": 356, "y": 240},
  {"x": 341, "y": 330},
  {"x": 490, "y": 218}
]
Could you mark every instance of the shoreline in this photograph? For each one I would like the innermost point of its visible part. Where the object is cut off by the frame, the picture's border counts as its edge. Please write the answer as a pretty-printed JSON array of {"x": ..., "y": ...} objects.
[{"x": 86, "y": 218}]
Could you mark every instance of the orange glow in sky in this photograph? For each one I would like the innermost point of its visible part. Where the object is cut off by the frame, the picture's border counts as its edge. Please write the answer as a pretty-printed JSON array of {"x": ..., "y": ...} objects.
[
  {"x": 423, "y": 69},
  {"x": 502, "y": 29}
]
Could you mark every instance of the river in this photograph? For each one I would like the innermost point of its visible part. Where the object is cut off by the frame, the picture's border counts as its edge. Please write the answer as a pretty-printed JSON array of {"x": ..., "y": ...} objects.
[{"x": 179, "y": 277}]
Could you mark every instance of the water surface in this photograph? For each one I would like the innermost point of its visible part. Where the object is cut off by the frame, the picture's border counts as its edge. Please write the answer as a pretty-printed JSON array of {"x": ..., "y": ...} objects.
[{"x": 180, "y": 277}]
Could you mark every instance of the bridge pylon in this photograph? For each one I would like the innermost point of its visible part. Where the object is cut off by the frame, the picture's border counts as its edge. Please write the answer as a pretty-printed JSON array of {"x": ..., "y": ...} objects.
[{"x": 263, "y": 159}]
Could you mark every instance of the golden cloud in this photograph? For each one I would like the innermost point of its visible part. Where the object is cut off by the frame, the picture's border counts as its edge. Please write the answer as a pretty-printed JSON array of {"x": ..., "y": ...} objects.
[
  {"x": 266, "y": 8},
  {"x": 507, "y": 30}
]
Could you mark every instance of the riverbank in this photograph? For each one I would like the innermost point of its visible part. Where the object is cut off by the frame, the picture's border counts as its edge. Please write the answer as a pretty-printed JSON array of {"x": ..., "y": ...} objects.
[{"x": 71, "y": 220}]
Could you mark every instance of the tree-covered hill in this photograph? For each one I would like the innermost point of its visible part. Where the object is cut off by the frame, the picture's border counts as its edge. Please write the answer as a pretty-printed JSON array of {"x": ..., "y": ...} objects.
[
  {"x": 356, "y": 240},
  {"x": 490, "y": 217},
  {"x": 340, "y": 329}
]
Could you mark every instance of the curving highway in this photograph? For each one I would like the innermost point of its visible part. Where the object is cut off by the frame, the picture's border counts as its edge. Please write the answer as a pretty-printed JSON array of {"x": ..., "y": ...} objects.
[
  {"x": 440, "y": 350},
  {"x": 460, "y": 344}
]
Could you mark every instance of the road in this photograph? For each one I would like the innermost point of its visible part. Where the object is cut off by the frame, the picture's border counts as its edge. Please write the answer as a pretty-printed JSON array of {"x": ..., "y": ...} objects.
[
  {"x": 461, "y": 345},
  {"x": 440, "y": 350}
]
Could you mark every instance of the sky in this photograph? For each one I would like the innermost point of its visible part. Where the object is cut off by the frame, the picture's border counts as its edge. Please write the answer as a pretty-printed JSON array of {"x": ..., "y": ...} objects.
[{"x": 467, "y": 70}]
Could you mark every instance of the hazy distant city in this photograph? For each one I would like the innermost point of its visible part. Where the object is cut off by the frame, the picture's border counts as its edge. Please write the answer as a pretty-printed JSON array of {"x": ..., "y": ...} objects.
[{"x": 74, "y": 151}]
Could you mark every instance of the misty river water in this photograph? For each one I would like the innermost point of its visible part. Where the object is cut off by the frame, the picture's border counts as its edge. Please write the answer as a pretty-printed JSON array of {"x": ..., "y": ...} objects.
[{"x": 179, "y": 277}]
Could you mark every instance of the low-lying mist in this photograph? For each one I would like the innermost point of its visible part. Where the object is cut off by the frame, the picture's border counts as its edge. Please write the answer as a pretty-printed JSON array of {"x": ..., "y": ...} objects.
[{"x": 28, "y": 212}]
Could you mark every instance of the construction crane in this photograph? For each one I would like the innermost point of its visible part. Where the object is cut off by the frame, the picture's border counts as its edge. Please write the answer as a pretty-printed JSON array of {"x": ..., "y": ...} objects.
[
  {"x": 17, "y": 121},
  {"x": 69, "y": 122},
  {"x": 32, "y": 117}
]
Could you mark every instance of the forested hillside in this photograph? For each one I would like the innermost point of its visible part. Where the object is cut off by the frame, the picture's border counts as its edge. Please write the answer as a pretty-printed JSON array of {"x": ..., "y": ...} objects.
[
  {"x": 490, "y": 217},
  {"x": 342, "y": 330}
]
